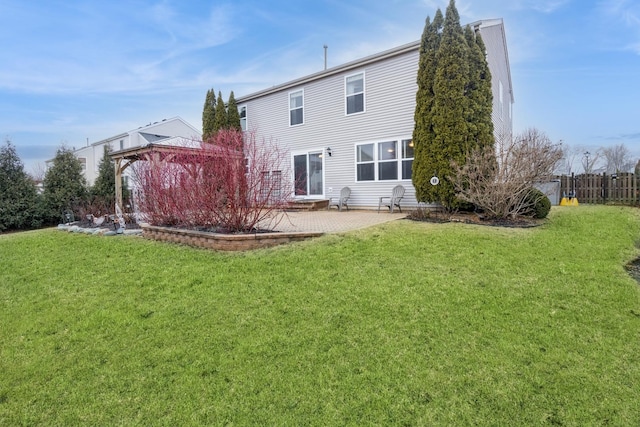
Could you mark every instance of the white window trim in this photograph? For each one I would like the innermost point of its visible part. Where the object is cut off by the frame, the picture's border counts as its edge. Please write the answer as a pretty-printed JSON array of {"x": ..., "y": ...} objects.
[
  {"x": 246, "y": 116},
  {"x": 501, "y": 97},
  {"x": 275, "y": 192},
  {"x": 291, "y": 109},
  {"x": 377, "y": 161},
  {"x": 390, "y": 161},
  {"x": 364, "y": 93},
  {"x": 323, "y": 154},
  {"x": 402, "y": 159}
]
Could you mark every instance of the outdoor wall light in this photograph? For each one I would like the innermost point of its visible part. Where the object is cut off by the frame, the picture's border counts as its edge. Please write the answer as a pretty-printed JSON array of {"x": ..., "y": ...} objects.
[{"x": 329, "y": 152}]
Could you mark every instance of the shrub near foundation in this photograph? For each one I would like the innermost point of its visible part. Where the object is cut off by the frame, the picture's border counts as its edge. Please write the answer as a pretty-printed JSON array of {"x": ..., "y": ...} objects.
[{"x": 539, "y": 204}]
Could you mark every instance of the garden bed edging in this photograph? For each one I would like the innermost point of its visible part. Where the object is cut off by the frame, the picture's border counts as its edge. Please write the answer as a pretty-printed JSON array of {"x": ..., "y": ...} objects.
[{"x": 223, "y": 242}]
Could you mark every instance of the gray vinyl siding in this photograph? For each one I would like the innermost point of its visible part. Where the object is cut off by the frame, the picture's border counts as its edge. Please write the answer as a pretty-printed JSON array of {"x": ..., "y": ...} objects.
[
  {"x": 493, "y": 37},
  {"x": 390, "y": 90},
  {"x": 172, "y": 127}
]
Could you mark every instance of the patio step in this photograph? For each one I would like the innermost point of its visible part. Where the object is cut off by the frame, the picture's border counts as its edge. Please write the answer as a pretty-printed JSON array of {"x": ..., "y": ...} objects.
[{"x": 308, "y": 205}]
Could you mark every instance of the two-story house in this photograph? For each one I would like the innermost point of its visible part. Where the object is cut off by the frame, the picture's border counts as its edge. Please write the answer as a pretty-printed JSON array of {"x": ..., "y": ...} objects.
[
  {"x": 166, "y": 131},
  {"x": 351, "y": 125}
]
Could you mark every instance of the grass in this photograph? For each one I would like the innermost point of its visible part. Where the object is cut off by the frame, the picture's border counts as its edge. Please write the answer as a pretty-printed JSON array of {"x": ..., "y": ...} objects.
[{"x": 402, "y": 324}]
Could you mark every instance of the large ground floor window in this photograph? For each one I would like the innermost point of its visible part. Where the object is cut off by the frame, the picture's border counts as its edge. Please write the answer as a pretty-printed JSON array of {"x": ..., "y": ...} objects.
[{"x": 385, "y": 160}]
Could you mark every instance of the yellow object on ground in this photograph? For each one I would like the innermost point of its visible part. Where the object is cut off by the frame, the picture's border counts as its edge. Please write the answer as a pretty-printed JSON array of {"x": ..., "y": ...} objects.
[{"x": 569, "y": 201}]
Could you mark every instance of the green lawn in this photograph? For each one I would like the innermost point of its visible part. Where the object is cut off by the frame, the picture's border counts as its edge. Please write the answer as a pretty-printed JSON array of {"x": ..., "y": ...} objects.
[{"x": 401, "y": 324}]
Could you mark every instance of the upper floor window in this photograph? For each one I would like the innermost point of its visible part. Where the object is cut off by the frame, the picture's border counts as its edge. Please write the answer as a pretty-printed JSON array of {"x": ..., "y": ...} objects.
[
  {"x": 243, "y": 117},
  {"x": 354, "y": 89},
  {"x": 122, "y": 144},
  {"x": 296, "y": 107}
]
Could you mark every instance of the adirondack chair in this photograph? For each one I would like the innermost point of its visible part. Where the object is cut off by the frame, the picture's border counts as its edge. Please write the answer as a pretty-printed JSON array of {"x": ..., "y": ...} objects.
[
  {"x": 396, "y": 195},
  {"x": 345, "y": 193}
]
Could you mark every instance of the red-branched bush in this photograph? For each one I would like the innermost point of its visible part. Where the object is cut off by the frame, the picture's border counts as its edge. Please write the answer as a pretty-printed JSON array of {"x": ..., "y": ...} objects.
[{"x": 230, "y": 183}]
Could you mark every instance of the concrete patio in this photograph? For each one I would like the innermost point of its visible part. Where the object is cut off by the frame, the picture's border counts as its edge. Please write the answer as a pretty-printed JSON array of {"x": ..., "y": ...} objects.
[
  {"x": 288, "y": 226},
  {"x": 332, "y": 221}
]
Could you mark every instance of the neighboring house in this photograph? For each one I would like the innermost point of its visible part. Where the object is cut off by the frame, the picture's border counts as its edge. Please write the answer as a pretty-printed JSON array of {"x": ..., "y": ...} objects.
[
  {"x": 352, "y": 125},
  {"x": 168, "y": 131}
]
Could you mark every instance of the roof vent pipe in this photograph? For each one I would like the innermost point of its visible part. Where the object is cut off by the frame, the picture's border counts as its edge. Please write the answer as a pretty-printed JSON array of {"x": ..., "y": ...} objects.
[{"x": 325, "y": 56}]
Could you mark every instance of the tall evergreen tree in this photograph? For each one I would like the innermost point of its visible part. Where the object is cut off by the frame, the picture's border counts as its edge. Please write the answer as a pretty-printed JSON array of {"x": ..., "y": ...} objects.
[
  {"x": 18, "y": 194},
  {"x": 208, "y": 114},
  {"x": 64, "y": 184},
  {"x": 220, "y": 120},
  {"x": 423, "y": 135},
  {"x": 451, "y": 105},
  {"x": 105, "y": 184},
  {"x": 479, "y": 92},
  {"x": 233, "y": 115}
]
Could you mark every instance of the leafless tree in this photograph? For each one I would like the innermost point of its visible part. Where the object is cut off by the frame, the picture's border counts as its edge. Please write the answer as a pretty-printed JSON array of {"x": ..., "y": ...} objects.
[
  {"x": 38, "y": 172},
  {"x": 499, "y": 182},
  {"x": 617, "y": 159},
  {"x": 570, "y": 156},
  {"x": 590, "y": 160}
]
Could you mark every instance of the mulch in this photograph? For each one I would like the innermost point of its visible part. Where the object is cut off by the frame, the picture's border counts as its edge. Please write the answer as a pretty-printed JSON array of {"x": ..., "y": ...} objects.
[
  {"x": 633, "y": 268},
  {"x": 106, "y": 225},
  {"x": 477, "y": 219}
]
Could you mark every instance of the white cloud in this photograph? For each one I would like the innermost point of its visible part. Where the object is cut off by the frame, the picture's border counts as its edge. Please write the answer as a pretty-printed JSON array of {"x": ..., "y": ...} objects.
[
  {"x": 542, "y": 6},
  {"x": 190, "y": 32},
  {"x": 468, "y": 9},
  {"x": 619, "y": 21},
  {"x": 634, "y": 47},
  {"x": 110, "y": 48}
]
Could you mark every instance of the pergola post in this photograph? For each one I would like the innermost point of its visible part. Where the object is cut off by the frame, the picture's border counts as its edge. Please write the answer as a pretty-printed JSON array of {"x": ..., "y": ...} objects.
[{"x": 118, "y": 163}]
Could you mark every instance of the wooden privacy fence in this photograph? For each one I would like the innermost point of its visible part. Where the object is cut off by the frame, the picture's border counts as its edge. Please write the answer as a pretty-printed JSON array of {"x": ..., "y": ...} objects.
[{"x": 622, "y": 188}]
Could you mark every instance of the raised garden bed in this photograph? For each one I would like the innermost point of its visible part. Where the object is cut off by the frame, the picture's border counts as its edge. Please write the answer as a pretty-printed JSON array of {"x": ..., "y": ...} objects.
[{"x": 221, "y": 241}]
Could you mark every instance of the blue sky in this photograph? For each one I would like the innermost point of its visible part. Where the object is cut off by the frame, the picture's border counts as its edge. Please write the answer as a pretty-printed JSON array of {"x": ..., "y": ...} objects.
[{"x": 76, "y": 70}]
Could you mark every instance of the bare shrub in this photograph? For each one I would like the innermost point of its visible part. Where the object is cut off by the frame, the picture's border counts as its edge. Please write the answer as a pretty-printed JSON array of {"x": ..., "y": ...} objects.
[
  {"x": 231, "y": 183},
  {"x": 93, "y": 207},
  {"x": 590, "y": 161},
  {"x": 498, "y": 180}
]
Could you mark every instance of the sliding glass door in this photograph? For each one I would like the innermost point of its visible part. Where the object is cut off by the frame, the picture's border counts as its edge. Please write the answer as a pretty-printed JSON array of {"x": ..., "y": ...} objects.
[{"x": 308, "y": 172}]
